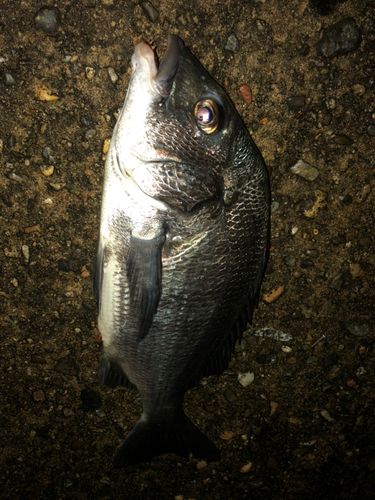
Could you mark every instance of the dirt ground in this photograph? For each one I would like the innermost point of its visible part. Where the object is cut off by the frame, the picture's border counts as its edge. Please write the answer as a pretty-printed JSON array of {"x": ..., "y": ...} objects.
[{"x": 304, "y": 428}]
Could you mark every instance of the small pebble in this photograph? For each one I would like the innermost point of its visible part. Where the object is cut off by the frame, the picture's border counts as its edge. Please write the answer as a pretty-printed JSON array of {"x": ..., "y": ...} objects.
[
  {"x": 12, "y": 254},
  {"x": 359, "y": 328},
  {"x": 39, "y": 360},
  {"x": 313, "y": 253},
  {"x": 47, "y": 171},
  {"x": 68, "y": 412},
  {"x": 371, "y": 130},
  {"x": 245, "y": 93},
  {"x": 47, "y": 154},
  {"x": 90, "y": 72},
  {"x": 295, "y": 420},
  {"x": 343, "y": 140},
  {"x": 294, "y": 230},
  {"x": 355, "y": 270},
  {"x": 273, "y": 295},
  {"x": 26, "y": 253},
  {"x": 90, "y": 134},
  {"x": 325, "y": 414},
  {"x": 106, "y": 144},
  {"x": 9, "y": 80},
  {"x": 39, "y": 396},
  {"x": 286, "y": 348},
  {"x": 340, "y": 38},
  {"x": 311, "y": 360},
  {"x": 33, "y": 229},
  {"x": 245, "y": 379},
  {"x": 182, "y": 20},
  {"x": 326, "y": 119},
  {"x": 315, "y": 203},
  {"x": 305, "y": 170},
  {"x": 48, "y": 19},
  {"x": 226, "y": 435},
  {"x": 289, "y": 259},
  {"x": 150, "y": 11},
  {"x": 112, "y": 75},
  {"x": 230, "y": 396},
  {"x": 361, "y": 371},
  {"x": 201, "y": 464},
  {"x": 89, "y": 307},
  {"x": 306, "y": 263},
  {"x": 295, "y": 103},
  {"x": 326, "y": 387},
  {"x": 274, "y": 206},
  {"x": 255, "y": 125},
  {"x": 337, "y": 282},
  {"x": 44, "y": 94},
  {"x": 63, "y": 265},
  {"x": 56, "y": 186},
  {"x": 362, "y": 195},
  {"x": 233, "y": 44},
  {"x": 273, "y": 407},
  {"x": 359, "y": 89},
  {"x": 273, "y": 334},
  {"x": 352, "y": 383},
  {"x": 14, "y": 177},
  {"x": 360, "y": 420},
  {"x": 246, "y": 468},
  {"x": 85, "y": 273},
  {"x": 87, "y": 121}
]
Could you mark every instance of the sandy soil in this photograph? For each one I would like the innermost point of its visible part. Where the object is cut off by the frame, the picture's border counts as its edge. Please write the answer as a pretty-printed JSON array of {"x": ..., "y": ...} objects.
[{"x": 305, "y": 426}]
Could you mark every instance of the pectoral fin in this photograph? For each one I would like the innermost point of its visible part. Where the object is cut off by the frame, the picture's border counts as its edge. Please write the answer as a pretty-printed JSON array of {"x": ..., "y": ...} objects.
[{"x": 144, "y": 275}]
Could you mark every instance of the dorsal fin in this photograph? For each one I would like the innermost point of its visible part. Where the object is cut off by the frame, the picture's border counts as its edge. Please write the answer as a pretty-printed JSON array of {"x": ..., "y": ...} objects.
[{"x": 97, "y": 273}]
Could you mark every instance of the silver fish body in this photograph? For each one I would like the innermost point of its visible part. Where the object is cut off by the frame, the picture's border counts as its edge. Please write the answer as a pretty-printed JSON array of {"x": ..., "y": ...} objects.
[{"x": 183, "y": 245}]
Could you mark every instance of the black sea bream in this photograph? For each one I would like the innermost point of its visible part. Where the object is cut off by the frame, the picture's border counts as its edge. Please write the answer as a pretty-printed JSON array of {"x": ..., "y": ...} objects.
[{"x": 183, "y": 245}]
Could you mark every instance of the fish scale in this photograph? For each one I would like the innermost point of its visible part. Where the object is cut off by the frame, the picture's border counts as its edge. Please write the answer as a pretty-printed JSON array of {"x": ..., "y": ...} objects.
[{"x": 182, "y": 248}]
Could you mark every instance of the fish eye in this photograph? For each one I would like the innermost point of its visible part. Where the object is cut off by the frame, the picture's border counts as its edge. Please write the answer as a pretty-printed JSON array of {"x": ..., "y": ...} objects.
[{"x": 207, "y": 115}]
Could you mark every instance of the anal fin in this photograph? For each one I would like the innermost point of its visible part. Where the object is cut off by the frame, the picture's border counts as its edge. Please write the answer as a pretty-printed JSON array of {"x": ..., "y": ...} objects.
[{"x": 112, "y": 375}]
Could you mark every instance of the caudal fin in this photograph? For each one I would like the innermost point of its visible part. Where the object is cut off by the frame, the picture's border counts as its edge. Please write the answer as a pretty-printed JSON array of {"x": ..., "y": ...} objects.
[{"x": 150, "y": 440}]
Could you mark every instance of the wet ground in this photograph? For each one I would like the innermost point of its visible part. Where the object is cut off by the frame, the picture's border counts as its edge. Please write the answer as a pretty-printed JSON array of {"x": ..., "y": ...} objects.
[{"x": 304, "y": 428}]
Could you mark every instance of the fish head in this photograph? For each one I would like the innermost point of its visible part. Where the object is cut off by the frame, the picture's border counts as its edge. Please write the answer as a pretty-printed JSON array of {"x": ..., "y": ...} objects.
[{"x": 176, "y": 130}]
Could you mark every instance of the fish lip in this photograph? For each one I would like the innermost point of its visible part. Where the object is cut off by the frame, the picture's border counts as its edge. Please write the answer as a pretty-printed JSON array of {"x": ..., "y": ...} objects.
[{"x": 162, "y": 77}]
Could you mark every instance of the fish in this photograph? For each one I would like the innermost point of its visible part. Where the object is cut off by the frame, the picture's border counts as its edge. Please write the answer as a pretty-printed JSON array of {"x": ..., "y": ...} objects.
[{"x": 183, "y": 245}]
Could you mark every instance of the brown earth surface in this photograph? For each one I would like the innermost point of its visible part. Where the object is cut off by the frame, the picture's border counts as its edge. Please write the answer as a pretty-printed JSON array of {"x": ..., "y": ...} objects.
[{"x": 306, "y": 424}]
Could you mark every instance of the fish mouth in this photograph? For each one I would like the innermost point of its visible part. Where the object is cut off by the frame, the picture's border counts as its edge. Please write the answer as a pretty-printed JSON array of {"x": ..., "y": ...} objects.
[{"x": 162, "y": 75}]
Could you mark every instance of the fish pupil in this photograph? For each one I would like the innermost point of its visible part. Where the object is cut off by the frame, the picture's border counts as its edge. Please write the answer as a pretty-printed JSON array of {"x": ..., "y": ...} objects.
[{"x": 205, "y": 115}]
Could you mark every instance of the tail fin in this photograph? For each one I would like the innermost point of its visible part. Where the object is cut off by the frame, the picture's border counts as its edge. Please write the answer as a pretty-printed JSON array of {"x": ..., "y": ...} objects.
[{"x": 149, "y": 440}]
